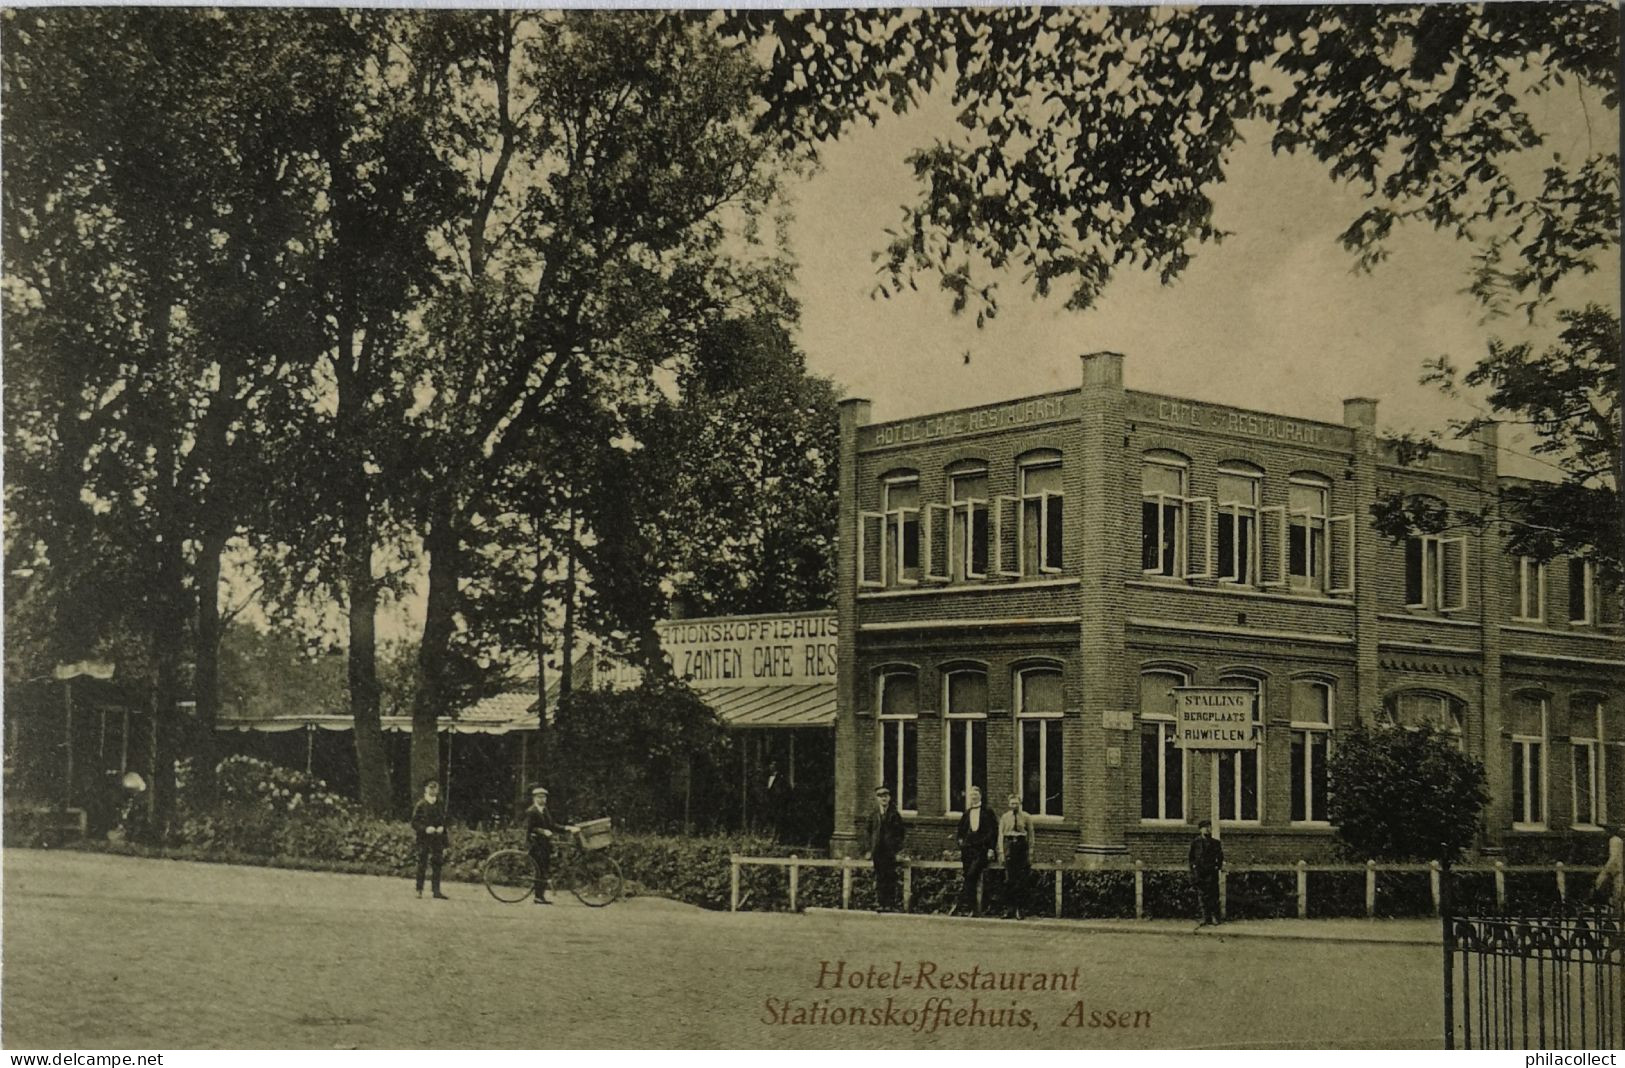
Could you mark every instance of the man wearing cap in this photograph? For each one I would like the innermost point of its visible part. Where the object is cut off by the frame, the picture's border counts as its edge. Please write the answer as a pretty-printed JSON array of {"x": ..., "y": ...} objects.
[
  {"x": 883, "y": 840},
  {"x": 1206, "y": 859},
  {"x": 540, "y": 827},
  {"x": 429, "y": 821}
]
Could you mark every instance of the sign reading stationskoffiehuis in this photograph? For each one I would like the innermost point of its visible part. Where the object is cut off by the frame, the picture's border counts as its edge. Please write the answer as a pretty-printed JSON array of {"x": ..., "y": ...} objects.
[
  {"x": 1207, "y": 717},
  {"x": 796, "y": 649}
]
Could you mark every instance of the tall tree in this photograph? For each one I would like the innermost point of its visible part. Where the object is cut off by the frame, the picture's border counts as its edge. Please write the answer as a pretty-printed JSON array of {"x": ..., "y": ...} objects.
[{"x": 605, "y": 158}]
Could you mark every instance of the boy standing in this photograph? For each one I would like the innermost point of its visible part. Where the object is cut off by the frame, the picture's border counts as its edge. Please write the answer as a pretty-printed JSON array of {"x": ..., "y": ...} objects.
[{"x": 429, "y": 821}]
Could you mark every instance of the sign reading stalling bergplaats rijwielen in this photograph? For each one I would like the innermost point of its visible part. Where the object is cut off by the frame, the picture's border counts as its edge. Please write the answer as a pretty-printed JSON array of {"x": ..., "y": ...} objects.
[
  {"x": 787, "y": 650},
  {"x": 1207, "y": 717}
]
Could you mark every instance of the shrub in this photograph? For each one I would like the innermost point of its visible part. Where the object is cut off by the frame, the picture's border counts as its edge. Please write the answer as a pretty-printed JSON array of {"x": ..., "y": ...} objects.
[{"x": 1404, "y": 794}]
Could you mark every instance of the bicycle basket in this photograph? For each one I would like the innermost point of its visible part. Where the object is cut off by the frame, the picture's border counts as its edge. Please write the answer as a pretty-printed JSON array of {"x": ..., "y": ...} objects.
[{"x": 595, "y": 834}]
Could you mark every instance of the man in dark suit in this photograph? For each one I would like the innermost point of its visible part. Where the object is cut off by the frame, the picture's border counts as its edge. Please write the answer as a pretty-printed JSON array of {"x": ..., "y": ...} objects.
[
  {"x": 1206, "y": 859},
  {"x": 883, "y": 840},
  {"x": 429, "y": 821},
  {"x": 540, "y": 829},
  {"x": 978, "y": 838}
]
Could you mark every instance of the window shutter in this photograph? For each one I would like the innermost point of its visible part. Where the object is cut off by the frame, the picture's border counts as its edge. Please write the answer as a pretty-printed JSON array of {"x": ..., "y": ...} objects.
[
  {"x": 1007, "y": 537},
  {"x": 871, "y": 550},
  {"x": 1340, "y": 554},
  {"x": 937, "y": 539},
  {"x": 1272, "y": 546},
  {"x": 1198, "y": 536}
]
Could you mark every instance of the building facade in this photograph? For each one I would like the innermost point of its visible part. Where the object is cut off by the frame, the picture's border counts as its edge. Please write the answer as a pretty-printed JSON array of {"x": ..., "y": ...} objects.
[{"x": 1022, "y": 585}]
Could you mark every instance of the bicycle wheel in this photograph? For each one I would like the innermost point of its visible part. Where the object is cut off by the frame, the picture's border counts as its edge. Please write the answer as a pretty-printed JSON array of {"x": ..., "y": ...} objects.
[
  {"x": 597, "y": 880},
  {"x": 510, "y": 875}
]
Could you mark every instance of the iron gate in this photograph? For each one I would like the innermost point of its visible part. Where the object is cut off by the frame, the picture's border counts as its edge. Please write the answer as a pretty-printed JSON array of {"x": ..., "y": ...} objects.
[{"x": 1548, "y": 982}]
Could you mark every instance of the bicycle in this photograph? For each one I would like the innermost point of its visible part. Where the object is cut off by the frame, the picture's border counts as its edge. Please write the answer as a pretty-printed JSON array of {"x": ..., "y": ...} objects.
[{"x": 594, "y": 876}]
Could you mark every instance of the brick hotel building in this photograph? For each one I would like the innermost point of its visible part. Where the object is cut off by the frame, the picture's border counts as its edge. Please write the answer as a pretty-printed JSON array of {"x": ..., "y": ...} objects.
[{"x": 1022, "y": 584}]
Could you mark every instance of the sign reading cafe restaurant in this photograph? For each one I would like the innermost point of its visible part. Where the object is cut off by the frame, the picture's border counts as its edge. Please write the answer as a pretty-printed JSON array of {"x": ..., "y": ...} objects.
[{"x": 1209, "y": 717}]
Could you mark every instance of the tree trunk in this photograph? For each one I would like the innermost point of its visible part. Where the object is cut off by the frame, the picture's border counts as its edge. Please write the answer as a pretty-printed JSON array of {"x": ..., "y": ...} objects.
[
  {"x": 372, "y": 762},
  {"x": 206, "y": 684},
  {"x": 440, "y": 546},
  {"x": 567, "y": 663}
]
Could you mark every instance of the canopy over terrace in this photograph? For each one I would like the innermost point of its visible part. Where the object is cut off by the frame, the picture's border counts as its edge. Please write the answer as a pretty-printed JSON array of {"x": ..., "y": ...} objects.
[{"x": 480, "y": 774}]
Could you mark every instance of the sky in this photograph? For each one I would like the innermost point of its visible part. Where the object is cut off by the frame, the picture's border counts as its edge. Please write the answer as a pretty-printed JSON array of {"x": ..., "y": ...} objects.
[{"x": 1274, "y": 318}]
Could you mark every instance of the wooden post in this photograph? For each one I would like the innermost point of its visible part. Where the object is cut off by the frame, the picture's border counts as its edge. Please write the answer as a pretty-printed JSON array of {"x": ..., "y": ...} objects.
[
  {"x": 1370, "y": 889},
  {"x": 124, "y": 744},
  {"x": 1057, "y": 893},
  {"x": 1433, "y": 884},
  {"x": 846, "y": 883},
  {"x": 1562, "y": 883},
  {"x": 1213, "y": 810},
  {"x": 1500, "y": 885},
  {"x": 733, "y": 882},
  {"x": 795, "y": 881},
  {"x": 1303, "y": 889},
  {"x": 1139, "y": 889},
  {"x": 1224, "y": 894},
  {"x": 67, "y": 709},
  {"x": 310, "y": 746},
  {"x": 908, "y": 884}
]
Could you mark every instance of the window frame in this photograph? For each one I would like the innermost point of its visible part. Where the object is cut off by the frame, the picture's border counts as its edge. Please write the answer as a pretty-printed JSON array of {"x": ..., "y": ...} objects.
[
  {"x": 1182, "y": 504},
  {"x": 1588, "y": 586},
  {"x": 896, "y": 531},
  {"x": 1164, "y": 724},
  {"x": 1318, "y": 576},
  {"x": 1521, "y": 745},
  {"x": 952, "y": 721},
  {"x": 1520, "y": 583},
  {"x": 885, "y": 721},
  {"x": 1024, "y": 716},
  {"x": 1253, "y": 542},
  {"x": 1596, "y": 742},
  {"x": 1243, "y": 680},
  {"x": 1043, "y": 564},
  {"x": 1434, "y": 552},
  {"x": 1313, "y": 732},
  {"x": 962, "y": 510}
]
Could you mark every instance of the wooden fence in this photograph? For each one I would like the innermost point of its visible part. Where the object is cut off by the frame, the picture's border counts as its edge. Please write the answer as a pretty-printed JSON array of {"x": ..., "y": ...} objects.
[{"x": 793, "y": 866}]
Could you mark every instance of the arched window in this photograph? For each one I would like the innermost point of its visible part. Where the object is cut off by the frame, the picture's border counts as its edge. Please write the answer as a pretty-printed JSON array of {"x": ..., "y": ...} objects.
[
  {"x": 1162, "y": 766},
  {"x": 1163, "y": 508},
  {"x": 1308, "y": 512},
  {"x": 1435, "y": 565},
  {"x": 1241, "y": 770},
  {"x": 898, "y": 704},
  {"x": 1239, "y": 489},
  {"x": 902, "y": 508},
  {"x": 1526, "y": 716},
  {"x": 964, "y": 724},
  {"x": 1589, "y": 781},
  {"x": 1311, "y": 746},
  {"x": 1042, "y": 512},
  {"x": 1041, "y": 759},
  {"x": 969, "y": 524},
  {"x": 1414, "y": 708}
]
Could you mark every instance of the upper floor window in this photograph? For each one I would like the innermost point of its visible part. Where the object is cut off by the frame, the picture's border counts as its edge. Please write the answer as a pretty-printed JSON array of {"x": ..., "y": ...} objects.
[
  {"x": 1238, "y": 507},
  {"x": 969, "y": 524},
  {"x": 964, "y": 702},
  {"x": 1436, "y": 571},
  {"x": 1029, "y": 529},
  {"x": 1308, "y": 512},
  {"x": 1591, "y": 600},
  {"x": 902, "y": 508},
  {"x": 1041, "y": 758},
  {"x": 1164, "y": 507},
  {"x": 898, "y": 702},
  {"x": 1528, "y": 589},
  {"x": 1162, "y": 764}
]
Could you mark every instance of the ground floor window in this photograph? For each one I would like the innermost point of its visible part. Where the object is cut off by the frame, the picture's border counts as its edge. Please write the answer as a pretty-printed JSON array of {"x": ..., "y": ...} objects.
[
  {"x": 1528, "y": 787},
  {"x": 1309, "y": 749},
  {"x": 965, "y": 730},
  {"x": 1042, "y": 752},
  {"x": 1241, "y": 770},
  {"x": 1587, "y": 798}
]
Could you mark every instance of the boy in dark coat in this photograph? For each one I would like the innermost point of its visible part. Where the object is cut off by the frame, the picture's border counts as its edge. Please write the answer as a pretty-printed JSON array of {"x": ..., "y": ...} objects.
[
  {"x": 540, "y": 827},
  {"x": 883, "y": 840},
  {"x": 1206, "y": 859},
  {"x": 429, "y": 821},
  {"x": 978, "y": 838}
]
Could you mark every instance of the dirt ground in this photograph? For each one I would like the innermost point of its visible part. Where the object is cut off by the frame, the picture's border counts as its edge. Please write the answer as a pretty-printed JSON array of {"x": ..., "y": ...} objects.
[{"x": 114, "y": 952}]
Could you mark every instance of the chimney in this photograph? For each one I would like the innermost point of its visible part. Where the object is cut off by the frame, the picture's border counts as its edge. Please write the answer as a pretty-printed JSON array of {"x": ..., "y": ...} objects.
[{"x": 1360, "y": 413}]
